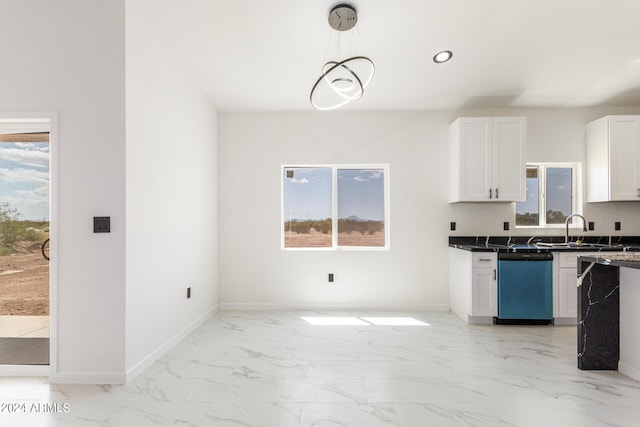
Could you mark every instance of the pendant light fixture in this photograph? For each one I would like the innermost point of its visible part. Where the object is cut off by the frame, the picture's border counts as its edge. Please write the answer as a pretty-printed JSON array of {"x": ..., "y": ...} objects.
[{"x": 342, "y": 80}]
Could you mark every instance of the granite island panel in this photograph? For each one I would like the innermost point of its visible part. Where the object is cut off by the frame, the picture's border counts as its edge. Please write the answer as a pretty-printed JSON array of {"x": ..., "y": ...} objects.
[{"x": 600, "y": 311}]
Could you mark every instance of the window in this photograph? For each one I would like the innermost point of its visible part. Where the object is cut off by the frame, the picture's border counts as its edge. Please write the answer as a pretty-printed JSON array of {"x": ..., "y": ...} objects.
[
  {"x": 552, "y": 195},
  {"x": 335, "y": 207}
]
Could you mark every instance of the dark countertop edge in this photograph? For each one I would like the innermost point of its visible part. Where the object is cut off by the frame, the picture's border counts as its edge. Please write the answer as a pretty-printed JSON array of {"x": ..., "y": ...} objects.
[
  {"x": 500, "y": 248},
  {"x": 633, "y": 261},
  {"x": 474, "y": 248},
  {"x": 503, "y": 244},
  {"x": 504, "y": 240}
]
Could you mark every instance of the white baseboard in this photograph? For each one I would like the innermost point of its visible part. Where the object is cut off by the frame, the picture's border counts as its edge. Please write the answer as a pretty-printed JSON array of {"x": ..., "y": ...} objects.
[
  {"x": 629, "y": 370},
  {"x": 230, "y": 306},
  {"x": 143, "y": 364},
  {"x": 565, "y": 321},
  {"x": 87, "y": 378},
  {"x": 480, "y": 320},
  {"x": 24, "y": 370}
]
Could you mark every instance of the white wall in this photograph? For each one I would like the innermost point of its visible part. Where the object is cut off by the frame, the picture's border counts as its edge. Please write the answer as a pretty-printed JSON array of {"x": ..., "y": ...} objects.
[
  {"x": 171, "y": 196},
  {"x": 255, "y": 272},
  {"x": 68, "y": 57}
]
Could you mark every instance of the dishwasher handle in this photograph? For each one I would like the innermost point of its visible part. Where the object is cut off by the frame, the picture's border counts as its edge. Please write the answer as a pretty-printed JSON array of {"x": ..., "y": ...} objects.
[{"x": 525, "y": 256}]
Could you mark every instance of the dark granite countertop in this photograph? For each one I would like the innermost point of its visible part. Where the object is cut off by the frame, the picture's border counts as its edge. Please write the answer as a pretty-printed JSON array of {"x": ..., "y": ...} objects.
[
  {"x": 616, "y": 260},
  {"x": 545, "y": 244}
]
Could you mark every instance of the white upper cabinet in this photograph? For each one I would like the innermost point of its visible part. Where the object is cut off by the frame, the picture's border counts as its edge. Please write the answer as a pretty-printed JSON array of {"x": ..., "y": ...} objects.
[
  {"x": 487, "y": 159},
  {"x": 613, "y": 159}
]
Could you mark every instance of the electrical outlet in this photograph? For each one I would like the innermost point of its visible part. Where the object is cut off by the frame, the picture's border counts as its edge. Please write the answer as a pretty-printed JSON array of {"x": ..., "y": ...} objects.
[
  {"x": 618, "y": 226},
  {"x": 592, "y": 225},
  {"x": 102, "y": 224},
  {"x": 330, "y": 277},
  {"x": 189, "y": 292},
  {"x": 505, "y": 225},
  {"x": 452, "y": 226}
]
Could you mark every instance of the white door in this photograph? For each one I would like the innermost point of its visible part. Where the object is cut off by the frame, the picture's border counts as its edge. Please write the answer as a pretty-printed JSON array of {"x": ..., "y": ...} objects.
[{"x": 24, "y": 230}]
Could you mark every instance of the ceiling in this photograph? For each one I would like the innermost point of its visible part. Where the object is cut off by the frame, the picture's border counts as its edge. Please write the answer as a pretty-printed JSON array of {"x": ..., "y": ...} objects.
[{"x": 256, "y": 55}]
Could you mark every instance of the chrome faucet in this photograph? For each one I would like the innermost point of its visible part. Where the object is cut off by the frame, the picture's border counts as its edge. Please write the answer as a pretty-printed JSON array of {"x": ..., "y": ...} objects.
[{"x": 566, "y": 225}]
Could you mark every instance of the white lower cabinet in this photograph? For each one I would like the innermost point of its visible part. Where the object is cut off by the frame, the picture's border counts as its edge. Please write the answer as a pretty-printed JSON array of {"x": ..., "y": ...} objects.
[
  {"x": 565, "y": 287},
  {"x": 473, "y": 285},
  {"x": 484, "y": 284}
]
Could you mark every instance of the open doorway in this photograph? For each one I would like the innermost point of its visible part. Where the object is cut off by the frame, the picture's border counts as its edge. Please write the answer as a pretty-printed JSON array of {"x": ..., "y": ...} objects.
[{"x": 24, "y": 237}]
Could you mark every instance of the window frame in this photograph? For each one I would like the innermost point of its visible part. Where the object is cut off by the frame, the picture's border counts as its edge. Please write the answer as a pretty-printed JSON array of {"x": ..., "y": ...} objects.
[
  {"x": 334, "y": 205},
  {"x": 576, "y": 193}
]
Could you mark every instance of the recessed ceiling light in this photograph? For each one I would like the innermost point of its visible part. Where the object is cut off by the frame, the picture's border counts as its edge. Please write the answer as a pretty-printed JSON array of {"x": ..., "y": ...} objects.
[{"x": 442, "y": 56}]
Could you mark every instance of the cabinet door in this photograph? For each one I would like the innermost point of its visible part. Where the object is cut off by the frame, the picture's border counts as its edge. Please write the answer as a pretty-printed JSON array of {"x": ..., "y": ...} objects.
[
  {"x": 567, "y": 292},
  {"x": 598, "y": 185},
  {"x": 484, "y": 292},
  {"x": 509, "y": 167},
  {"x": 624, "y": 157},
  {"x": 475, "y": 159}
]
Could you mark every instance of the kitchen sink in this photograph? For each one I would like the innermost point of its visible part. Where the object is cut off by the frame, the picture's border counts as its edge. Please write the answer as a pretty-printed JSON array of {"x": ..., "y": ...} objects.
[{"x": 577, "y": 245}]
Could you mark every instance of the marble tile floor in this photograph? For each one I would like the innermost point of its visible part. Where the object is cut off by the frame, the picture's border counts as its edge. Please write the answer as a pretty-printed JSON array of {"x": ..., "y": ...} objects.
[{"x": 274, "y": 369}]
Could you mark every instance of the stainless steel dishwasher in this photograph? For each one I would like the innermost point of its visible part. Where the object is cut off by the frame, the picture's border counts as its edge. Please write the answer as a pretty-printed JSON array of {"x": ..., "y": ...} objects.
[{"x": 525, "y": 287}]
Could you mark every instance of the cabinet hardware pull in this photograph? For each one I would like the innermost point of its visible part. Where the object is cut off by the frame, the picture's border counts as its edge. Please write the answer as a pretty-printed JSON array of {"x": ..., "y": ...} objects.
[
  {"x": 495, "y": 274},
  {"x": 496, "y": 193},
  {"x": 491, "y": 193},
  {"x": 484, "y": 259}
]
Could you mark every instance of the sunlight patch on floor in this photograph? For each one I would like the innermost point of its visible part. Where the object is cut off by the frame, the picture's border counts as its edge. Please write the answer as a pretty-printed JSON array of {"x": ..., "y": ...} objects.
[{"x": 395, "y": 321}]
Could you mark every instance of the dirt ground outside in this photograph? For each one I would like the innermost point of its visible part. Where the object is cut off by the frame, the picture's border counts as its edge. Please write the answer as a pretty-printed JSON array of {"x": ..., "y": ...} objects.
[
  {"x": 358, "y": 239},
  {"x": 318, "y": 240},
  {"x": 24, "y": 282}
]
